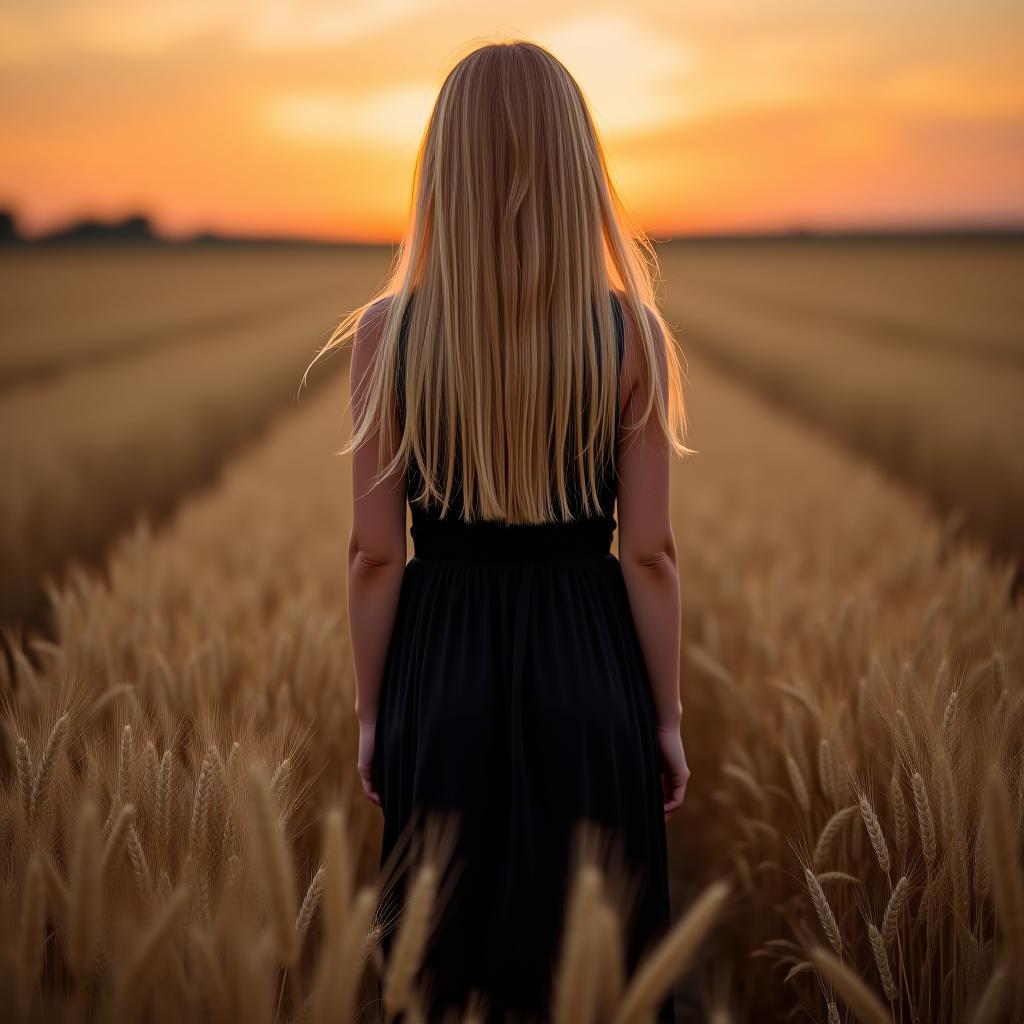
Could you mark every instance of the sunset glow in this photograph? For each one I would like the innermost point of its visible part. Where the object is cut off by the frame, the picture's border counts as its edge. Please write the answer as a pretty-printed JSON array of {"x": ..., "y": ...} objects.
[{"x": 303, "y": 118}]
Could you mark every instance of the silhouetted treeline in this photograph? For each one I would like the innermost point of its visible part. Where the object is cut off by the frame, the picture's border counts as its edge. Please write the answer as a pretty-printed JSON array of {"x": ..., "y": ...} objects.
[{"x": 138, "y": 228}]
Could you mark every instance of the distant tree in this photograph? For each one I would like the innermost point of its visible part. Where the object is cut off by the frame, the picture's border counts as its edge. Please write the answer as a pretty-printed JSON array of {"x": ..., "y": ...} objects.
[{"x": 8, "y": 227}]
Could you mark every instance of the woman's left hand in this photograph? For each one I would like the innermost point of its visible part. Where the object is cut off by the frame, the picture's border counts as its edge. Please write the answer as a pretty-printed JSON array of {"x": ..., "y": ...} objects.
[{"x": 367, "y": 744}]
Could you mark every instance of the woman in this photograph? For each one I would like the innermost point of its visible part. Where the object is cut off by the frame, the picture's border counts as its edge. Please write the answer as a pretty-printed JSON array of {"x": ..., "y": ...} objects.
[{"x": 515, "y": 671}]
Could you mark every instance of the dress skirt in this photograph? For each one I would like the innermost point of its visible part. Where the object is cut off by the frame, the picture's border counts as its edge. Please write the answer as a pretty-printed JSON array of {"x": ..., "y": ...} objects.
[{"x": 515, "y": 694}]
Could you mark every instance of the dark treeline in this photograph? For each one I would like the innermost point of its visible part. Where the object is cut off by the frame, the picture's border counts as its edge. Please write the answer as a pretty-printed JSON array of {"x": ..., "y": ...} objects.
[{"x": 137, "y": 228}]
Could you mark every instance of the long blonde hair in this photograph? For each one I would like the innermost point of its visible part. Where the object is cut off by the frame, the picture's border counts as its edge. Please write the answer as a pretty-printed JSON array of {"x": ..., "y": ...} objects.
[{"x": 515, "y": 241}]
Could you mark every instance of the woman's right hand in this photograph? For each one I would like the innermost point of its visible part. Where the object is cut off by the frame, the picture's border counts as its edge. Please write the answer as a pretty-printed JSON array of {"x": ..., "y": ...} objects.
[{"x": 674, "y": 771}]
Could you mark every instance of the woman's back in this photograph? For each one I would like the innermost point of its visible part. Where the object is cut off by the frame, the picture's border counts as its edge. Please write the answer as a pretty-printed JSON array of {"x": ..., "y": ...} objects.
[
  {"x": 515, "y": 693},
  {"x": 433, "y": 531}
]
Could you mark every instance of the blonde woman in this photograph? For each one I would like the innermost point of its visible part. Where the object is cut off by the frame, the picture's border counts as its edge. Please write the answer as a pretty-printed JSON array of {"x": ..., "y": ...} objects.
[{"x": 514, "y": 384}]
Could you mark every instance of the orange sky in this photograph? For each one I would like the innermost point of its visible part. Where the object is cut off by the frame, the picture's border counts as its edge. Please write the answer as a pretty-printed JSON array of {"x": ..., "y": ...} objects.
[{"x": 260, "y": 116}]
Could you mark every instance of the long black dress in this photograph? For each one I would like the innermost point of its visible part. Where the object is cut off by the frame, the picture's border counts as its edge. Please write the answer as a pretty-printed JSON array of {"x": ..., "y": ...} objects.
[{"x": 515, "y": 694}]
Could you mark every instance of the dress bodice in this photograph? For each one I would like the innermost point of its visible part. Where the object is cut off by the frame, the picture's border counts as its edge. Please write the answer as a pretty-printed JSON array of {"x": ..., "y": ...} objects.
[{"x": 435, "y": 536}]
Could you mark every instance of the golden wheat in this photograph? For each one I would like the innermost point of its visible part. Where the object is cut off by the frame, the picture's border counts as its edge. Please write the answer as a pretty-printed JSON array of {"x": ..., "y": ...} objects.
[{"x": 830, "y": 641}]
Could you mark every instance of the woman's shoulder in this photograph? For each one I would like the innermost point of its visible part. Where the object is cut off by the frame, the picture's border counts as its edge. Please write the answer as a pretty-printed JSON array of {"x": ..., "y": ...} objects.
[{"x": 634, "y": 369}]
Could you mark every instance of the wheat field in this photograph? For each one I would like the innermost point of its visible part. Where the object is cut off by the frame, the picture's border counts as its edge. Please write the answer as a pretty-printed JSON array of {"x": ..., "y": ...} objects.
[{"x": 183, "y": 835}]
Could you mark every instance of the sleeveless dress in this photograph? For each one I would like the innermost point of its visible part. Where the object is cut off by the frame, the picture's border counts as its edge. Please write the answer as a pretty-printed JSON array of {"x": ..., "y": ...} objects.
[{"x": 515, "y": 694}]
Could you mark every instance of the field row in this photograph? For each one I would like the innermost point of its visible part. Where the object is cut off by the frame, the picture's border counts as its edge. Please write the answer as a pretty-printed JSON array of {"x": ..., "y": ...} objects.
[
  {"x": 911, "y": 358},
  {"x": 842, "y": 650},
  {"x": 162, "y": 366},
  {"x": 63, "y": 308}
]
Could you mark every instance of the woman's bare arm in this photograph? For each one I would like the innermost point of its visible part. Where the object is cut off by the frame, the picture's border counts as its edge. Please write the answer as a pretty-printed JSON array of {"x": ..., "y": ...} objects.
[
  {"x": 377, "y": 543},
  {"x": 647, "y": 547}
]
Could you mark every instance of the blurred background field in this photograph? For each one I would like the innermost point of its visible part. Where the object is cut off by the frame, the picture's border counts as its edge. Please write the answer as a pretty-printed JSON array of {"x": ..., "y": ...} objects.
[
  {"x": 131, "y": 372},
  {"x": 845, "y": 548}
]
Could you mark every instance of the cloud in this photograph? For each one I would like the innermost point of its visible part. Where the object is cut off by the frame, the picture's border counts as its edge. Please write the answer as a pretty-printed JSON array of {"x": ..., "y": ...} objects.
[
  {"x": 634, "y": 76},
  {"x": 392, "y": 118}
]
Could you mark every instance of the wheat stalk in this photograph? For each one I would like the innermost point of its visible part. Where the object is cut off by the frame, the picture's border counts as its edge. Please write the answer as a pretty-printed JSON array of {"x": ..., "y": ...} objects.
[
  {"x": 575, "y": 994},
  {"x": 32, "y": 933},
  {"x": 84, "y": 891},
  {"x": 981, "y": 878},
  {"x": 339, "y": 882},
  {"x": 1004, "y": 866},
  {"x": 146, "y": 958},
  {"x": 989, "y": 1009},
  {"x": 608, "y": 942},
  {"x": 655, "y": 975},
  {"x": 341, "y": 963}
]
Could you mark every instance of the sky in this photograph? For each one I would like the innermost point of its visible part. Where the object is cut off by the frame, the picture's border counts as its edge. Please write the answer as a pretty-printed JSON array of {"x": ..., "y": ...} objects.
[{"x": 262, "y": 117}]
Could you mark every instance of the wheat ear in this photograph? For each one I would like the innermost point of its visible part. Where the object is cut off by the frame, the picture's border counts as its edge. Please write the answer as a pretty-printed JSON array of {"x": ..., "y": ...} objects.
[
  {"x": 201, "y": 803},
  {"x": 310, "y": 904},
  {"x": 124, "y": 764},
  {"x": 926, "y": 823},
  {"x": 274, "y": 867},
  {"x": 827, "y": 836},
  {"x": 23, "y": 759},
  {"x": 150, "y": 777},
  {"x": 796, "y": 780},
  {"x": 140, "y": 867},
  {"x": 827, "y": 770},
  {"x": 864, "y": 1003},
  {"x": 338, "y": 883},
  {"x": 874, "y": 830},
  {"x": 900, "y": 822},
  {"x": 118, "y": 838},
  {"x": 824, "y": 911},
  {"x": 340, "y": 966},
  {"x": 41, "y": 784},
  {"x": 411, "y": 941},
  {"x": 575, "y": 996},
  {"x": 894, "y": 908},
  {"x": 882, "y": 962},
  {"x": 655, "y": 976}
]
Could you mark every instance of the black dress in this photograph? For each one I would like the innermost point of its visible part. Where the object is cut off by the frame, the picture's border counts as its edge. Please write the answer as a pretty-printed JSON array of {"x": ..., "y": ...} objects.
[{"x": 515, "y": 694}]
